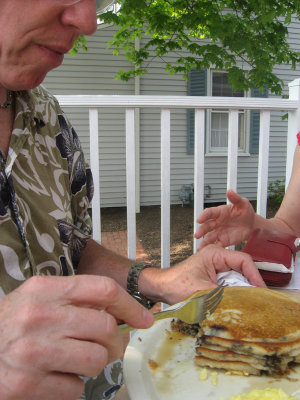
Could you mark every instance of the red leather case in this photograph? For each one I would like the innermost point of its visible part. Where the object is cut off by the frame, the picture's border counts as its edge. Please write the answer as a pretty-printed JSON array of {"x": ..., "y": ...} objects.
[{"x": 274, "y": 247}]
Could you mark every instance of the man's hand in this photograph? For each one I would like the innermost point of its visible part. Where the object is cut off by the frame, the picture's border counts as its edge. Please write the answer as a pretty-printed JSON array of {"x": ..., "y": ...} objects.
[
  {"x": 228, "y": 224},
  {"x": 54, "y": 329}
]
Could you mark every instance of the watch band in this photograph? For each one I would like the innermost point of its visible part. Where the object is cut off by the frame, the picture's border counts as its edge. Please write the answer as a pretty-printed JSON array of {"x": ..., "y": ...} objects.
[{"x": 132, "y": 284}]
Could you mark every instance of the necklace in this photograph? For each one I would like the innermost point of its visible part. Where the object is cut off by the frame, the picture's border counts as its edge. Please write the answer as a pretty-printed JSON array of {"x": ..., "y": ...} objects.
[{"x": 8, "y": 101}]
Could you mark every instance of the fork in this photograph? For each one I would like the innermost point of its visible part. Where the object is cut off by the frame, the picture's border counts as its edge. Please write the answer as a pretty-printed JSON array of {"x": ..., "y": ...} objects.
[{"x": 192, "y": 310}]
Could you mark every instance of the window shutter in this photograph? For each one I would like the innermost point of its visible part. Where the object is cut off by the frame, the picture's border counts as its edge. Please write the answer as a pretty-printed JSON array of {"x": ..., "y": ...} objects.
[
  {"x": 196, "y": 87},
  {"x": 255, "y": 122}
]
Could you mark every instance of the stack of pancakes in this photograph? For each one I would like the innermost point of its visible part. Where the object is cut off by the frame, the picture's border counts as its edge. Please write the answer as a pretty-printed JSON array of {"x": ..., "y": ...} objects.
[{"x": 253, "y": 331}]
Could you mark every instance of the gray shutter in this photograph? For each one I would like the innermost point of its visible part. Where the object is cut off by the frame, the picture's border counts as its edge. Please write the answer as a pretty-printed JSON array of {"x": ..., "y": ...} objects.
[
  {"x": 196, "y": 87},
  {"x": 255, "y": 121}
]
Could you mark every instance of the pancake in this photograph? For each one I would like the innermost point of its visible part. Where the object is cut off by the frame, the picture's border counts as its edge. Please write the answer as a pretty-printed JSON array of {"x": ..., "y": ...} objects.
[
  {"x": 255, "y": 314},
  {"x": 254, "y": 331}
]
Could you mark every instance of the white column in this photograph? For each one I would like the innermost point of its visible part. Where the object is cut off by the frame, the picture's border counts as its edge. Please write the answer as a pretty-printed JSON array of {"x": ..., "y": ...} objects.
[
  {"x": 198, "y": 169},
  {"x": 165, "y": 188},
  {"x": 130, "y": 183},
  {"x": 233, "y": 137},
  {"x": 94, "y": 162},
  {"x": 263, "y": 163}
]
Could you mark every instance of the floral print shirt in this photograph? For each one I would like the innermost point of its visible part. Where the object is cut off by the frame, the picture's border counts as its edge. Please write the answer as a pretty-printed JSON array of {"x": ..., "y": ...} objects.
[{"x": 45, "y": 192}]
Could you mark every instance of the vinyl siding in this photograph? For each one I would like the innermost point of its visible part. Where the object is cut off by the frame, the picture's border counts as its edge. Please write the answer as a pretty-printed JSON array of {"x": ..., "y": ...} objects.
[{"x": 93, "y": 72}]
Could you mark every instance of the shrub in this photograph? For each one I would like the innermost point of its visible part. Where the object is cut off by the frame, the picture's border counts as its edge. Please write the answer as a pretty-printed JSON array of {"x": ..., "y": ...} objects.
[{"x": 276, "y": 191}]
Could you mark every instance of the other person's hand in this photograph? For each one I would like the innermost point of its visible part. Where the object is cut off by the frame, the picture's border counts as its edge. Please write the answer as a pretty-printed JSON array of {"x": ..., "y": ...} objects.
[
  {"x": 199, "y": 272},
  {"x": 55, "y": 329},
  {"x": 227, "y": 224}
]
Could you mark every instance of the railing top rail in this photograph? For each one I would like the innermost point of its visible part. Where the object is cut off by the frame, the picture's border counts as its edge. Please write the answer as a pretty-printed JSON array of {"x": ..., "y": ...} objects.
[{"x": 133, "y": 101}]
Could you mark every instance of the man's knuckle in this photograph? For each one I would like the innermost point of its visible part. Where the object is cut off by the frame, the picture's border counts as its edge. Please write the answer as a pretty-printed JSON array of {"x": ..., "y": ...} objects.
[
  {"x": 29, "y": 315},
  {"x": 247, "y": 257},
  {"x": 110, "y": 288},
  {"x": 111, "y": 325},
  {"x": 96, "y": 361},
  {"x": 35, "y": 283}
]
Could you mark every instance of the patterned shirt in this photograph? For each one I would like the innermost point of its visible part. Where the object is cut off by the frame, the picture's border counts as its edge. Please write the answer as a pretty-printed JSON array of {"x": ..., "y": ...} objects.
[{"x": 45, "y": 192}]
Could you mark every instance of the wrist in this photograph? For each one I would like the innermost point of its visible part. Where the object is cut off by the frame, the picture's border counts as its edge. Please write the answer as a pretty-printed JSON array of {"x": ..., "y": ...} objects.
[
  {"x": 135, "y": 288},
  {"x": 151, "y": 283}
]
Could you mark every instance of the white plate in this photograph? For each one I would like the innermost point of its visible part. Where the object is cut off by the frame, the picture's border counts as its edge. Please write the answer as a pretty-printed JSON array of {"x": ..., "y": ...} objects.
[{"x": 177, "y": 377}]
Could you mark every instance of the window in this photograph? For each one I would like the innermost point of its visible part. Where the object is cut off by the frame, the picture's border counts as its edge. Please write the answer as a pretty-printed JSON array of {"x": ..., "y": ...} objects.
[
  {"x": 215, "y": 83},
  {"x": 217, "y": 127}
]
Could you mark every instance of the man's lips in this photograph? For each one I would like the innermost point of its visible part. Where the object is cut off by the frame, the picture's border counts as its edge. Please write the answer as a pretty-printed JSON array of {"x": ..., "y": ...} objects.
[{"x": 55, "y": 55}]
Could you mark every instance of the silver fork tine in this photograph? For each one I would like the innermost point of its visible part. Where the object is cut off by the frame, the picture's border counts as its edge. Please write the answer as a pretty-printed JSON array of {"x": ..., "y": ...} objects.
[
  {"x": 214, "y": 291},
  {"x": 211, "y": 310},
  {"x": 210, "y": 303},
  {"x": 211, "y": 299},
  {"x": 211, "y": 307}
]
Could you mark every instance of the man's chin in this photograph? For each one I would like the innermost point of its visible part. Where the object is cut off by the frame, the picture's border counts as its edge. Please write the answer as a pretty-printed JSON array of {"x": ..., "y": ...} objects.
[{"x": 24, "y": 81}]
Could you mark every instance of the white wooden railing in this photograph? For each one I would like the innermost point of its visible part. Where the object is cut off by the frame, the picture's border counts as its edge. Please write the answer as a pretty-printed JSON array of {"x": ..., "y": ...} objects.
[{"x": 200, "y": 104}]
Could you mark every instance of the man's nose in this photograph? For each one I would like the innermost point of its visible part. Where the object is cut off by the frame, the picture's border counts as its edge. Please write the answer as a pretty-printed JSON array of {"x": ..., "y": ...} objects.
[{"x": 81, "y": 15}]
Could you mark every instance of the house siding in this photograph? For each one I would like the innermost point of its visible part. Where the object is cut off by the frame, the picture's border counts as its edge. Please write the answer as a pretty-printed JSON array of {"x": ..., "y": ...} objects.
[{"x": 93, "y": 72}]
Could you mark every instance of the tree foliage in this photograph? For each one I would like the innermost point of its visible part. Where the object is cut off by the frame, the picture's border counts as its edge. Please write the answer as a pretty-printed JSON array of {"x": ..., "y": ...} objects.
[{"x": 233, "y": 35}]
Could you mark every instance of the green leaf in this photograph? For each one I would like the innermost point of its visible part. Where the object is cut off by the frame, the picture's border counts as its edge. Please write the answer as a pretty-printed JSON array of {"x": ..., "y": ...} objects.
[{"x": 232, "y": 35}]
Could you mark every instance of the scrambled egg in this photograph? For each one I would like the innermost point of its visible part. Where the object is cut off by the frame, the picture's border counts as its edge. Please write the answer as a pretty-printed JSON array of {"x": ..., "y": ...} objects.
[
  {"x": 214, "y": 378},
  {"x": 203, "y": 374},
  {"x": 265, "y": 394}
]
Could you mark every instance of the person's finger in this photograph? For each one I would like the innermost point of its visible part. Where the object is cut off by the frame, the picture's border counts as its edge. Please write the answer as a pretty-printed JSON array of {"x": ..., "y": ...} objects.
[
  {"x": 215, "y": 237},
  {"x": 244, "y": 264},
  {"x": 210, "y": 238},
  {"x": 95, "y": 326},
  {"x": 72, "y": 356},
  {"x": 234, "y": 197},
  {"x": 67, "y": 386},
  {"x": 206, "y": 227},
  {"x": 209, "y": 213},
  {"x": 75, "y": 353},
  {"x": 87, "y": 324},
  {"x": 52, "y": 386},
  {"x": 101, "y": 293}
]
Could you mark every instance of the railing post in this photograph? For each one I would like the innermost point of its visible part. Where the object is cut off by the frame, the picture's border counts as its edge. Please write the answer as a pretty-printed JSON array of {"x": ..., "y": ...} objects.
[
  {"x": 165, "y": 188},
  {"x": 233, "y": 140},
  {"x": 198, "y": 170},
  {"x": 293, "y": 128},
  {"x": 263, "y": 163},
  {"x": 130, "y": 182},
  {"x": 94, "y": 161}
]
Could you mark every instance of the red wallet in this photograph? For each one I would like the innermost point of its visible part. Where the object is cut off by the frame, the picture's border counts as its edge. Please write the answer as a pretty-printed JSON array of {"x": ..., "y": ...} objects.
[{"x": 277, "y": 251}]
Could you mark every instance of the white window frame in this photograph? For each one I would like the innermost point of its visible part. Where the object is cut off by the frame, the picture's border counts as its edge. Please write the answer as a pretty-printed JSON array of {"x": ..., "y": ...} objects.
[{"x": 222, "y": 151}]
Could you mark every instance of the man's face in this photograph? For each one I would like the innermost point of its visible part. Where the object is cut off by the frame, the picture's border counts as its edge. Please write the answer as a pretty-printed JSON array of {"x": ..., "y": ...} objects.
[{"x": 35, "y": 35}]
